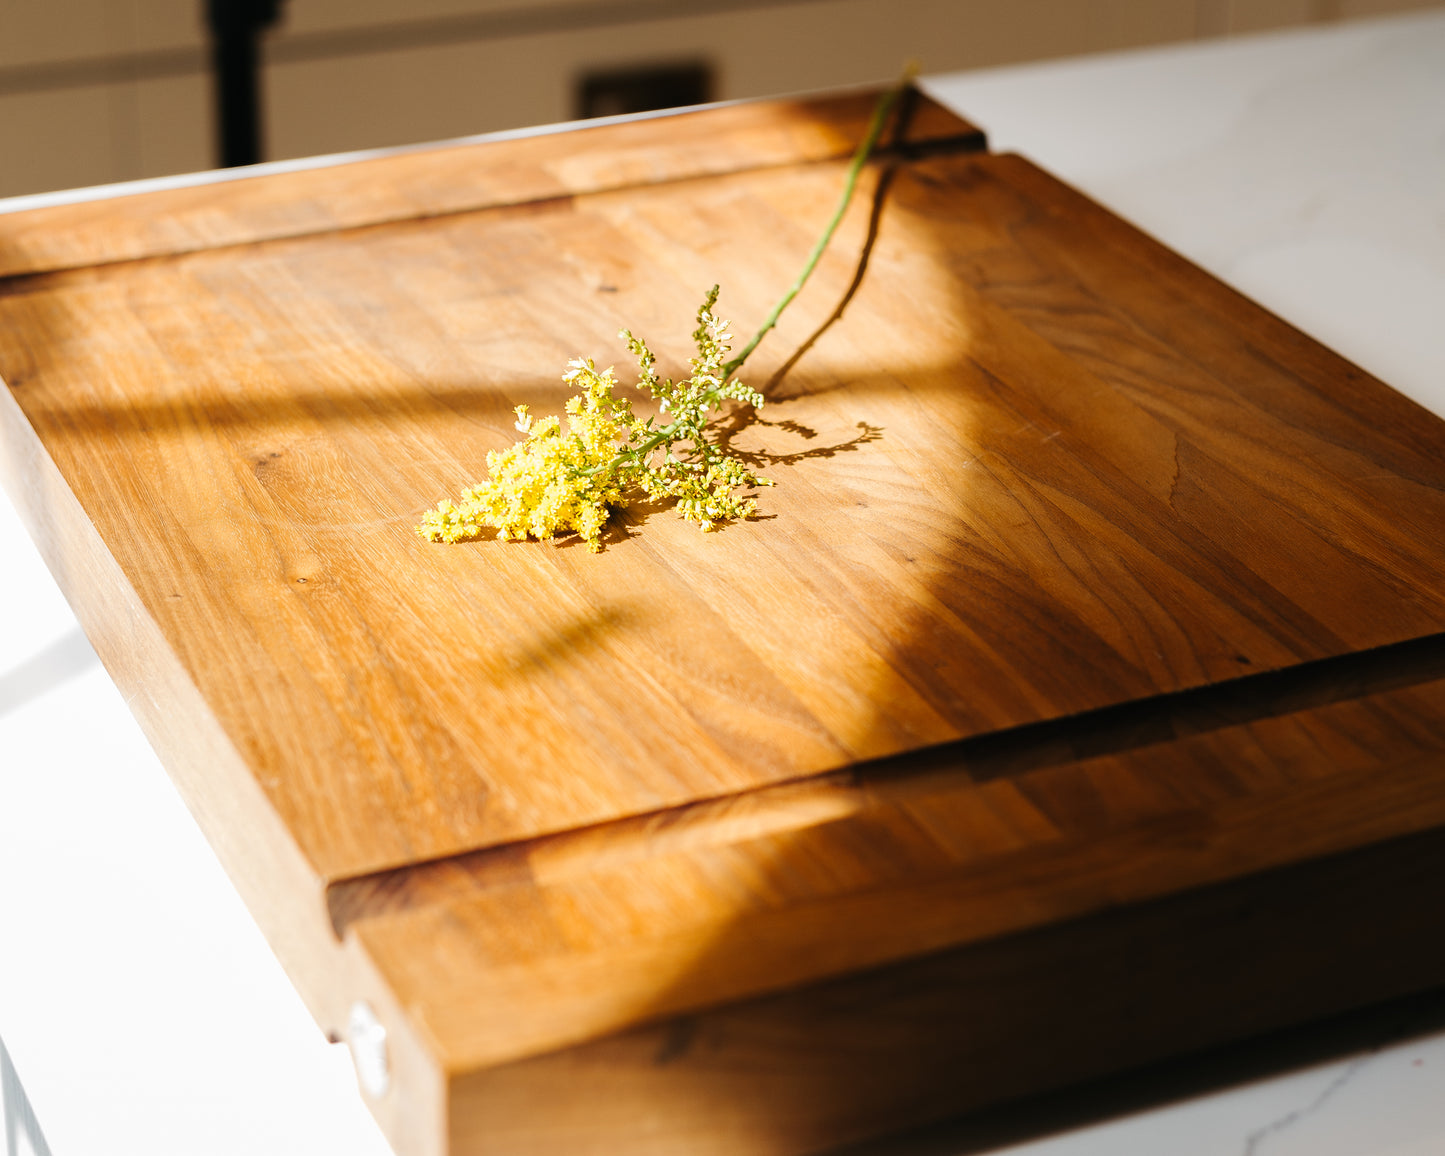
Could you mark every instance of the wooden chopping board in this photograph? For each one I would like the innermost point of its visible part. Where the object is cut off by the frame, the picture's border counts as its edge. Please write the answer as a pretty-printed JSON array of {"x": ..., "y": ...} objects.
[{"x": 1085, "y": 583}]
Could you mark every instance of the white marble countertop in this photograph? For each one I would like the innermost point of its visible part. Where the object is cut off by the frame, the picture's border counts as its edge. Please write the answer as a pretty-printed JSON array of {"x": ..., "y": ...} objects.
[
  {"x": 1307, "y": 169},
  {"x": 141, "y": 1008}
]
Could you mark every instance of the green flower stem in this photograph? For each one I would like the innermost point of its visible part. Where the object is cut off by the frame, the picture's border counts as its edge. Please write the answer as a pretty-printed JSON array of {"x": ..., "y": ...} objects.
[
  {"x": 666, "y": 434},
  {"x": 860, "y": 158},
  {"x": 865, "y": 149}
]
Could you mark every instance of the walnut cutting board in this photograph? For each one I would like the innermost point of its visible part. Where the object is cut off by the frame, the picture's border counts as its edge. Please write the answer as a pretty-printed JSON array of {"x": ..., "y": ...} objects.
[{"x": 1085, "y": 583}]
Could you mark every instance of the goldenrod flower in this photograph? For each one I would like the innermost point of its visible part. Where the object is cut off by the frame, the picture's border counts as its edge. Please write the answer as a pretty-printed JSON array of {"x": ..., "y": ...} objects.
[{"x": 550, "y": 483}]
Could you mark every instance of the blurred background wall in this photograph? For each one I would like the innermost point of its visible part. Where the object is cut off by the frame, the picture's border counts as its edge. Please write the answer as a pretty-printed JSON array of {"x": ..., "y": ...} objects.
[{"x": 93, "y": 91}]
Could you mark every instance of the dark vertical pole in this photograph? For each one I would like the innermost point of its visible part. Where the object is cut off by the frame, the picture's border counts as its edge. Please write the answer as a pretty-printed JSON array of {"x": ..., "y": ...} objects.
[{"x": 235, "y": 35}]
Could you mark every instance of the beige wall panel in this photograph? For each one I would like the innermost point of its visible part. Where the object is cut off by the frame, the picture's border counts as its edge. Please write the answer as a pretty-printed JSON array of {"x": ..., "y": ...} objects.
[
  {"x": 46, "y": 31},
  {"x": 159, "y": 24},
  {"x": 1354, "y": 9},
  {"x": 55, "y": 140},
  {"x": 74, "y": 137},
  {"x": 402, "y": 97},
  {"x": 429, "y": 94},
  {"x": 307, "y": 16},
  {"x": 1259, "y": 15},
  {"x": 175, "y": 119},
  {"x": 34, "y": 31}
]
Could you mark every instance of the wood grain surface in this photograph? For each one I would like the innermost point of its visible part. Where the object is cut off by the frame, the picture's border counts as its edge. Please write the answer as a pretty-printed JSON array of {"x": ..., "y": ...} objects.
[
  {"x": 1086, "y": 584},
  {"x": 1003, "y": 495},
  {"x": 756, "y": 900},
  {"x": 832, "y": 1063},
  {"x": 254, "y": 205}
]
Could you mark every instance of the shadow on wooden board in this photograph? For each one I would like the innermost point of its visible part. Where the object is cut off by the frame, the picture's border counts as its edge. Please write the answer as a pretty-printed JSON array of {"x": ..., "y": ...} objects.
[
  {"x": 1003, "y": 868},
  {"x": 805, "y": 1069}
]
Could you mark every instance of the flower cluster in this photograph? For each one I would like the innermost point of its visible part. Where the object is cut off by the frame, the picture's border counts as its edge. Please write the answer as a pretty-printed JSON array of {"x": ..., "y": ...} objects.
[
  {"x": 553, "y": 483},
  {"x": 547, "y": 483}
]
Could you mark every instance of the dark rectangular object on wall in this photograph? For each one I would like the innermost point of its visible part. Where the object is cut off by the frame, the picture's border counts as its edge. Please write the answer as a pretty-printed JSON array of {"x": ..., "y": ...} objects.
[{"x": 646, "y": 89}]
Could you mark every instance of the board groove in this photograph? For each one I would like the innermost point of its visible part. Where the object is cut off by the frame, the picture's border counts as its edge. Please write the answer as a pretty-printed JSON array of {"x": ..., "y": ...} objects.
[{"x": 794, "y": 804}]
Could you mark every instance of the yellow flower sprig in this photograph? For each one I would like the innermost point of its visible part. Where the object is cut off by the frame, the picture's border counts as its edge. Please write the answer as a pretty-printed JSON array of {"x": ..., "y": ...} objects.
[{"x": 552, "y": 483}]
